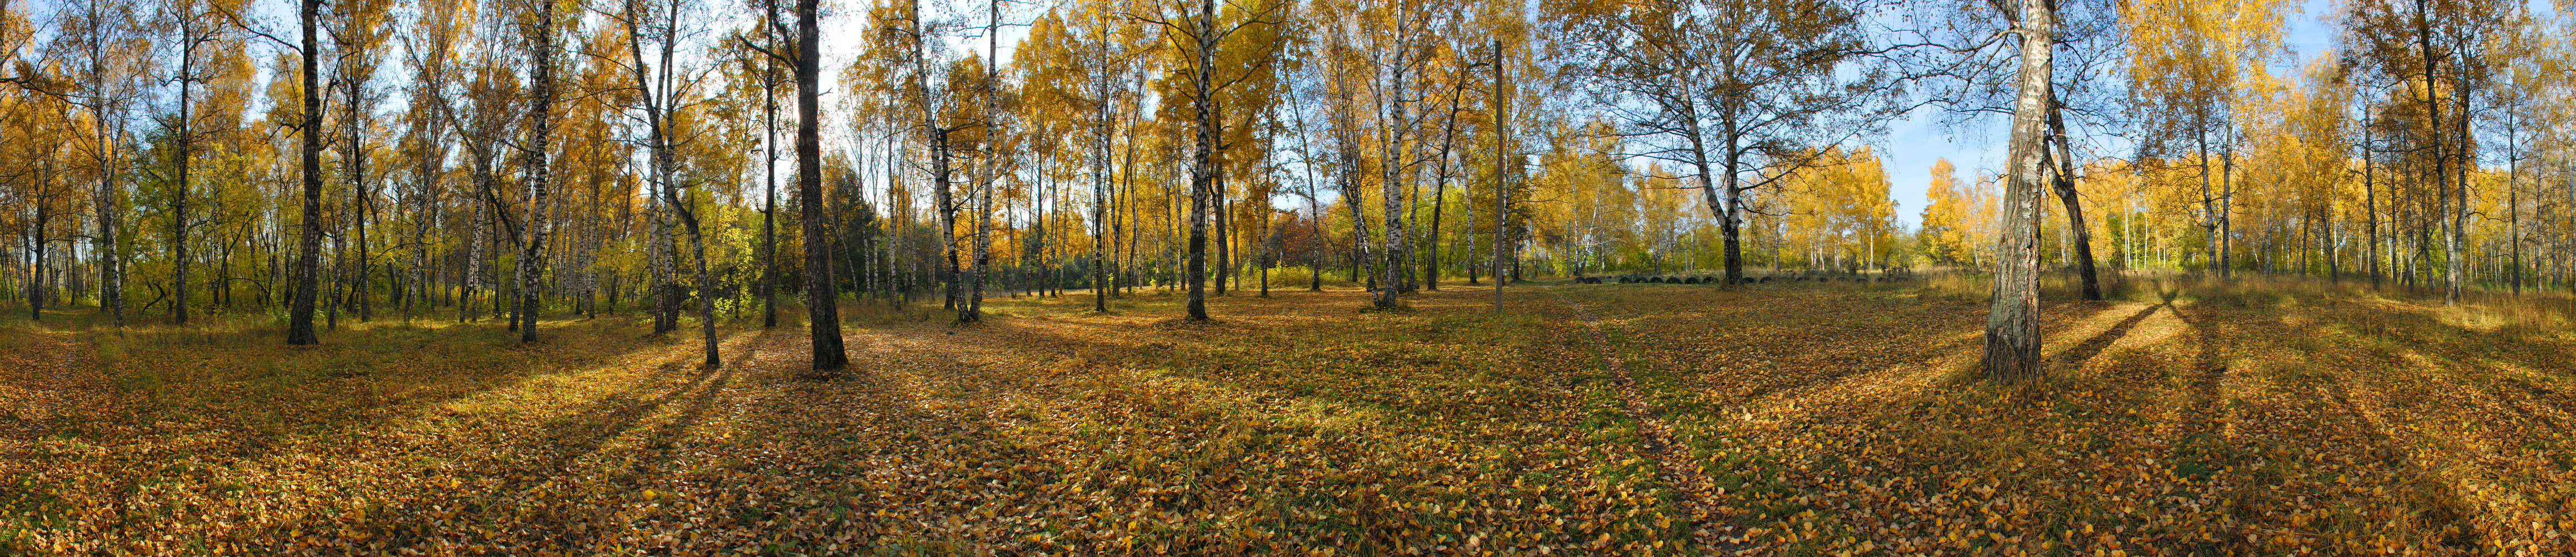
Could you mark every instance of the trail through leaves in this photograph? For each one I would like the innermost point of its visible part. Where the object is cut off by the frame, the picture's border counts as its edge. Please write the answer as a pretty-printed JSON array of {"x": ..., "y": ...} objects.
[{"x": 1677, "y": 468}]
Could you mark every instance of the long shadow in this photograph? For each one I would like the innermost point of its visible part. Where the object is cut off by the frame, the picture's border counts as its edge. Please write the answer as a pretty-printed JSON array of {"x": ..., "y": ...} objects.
[
  {"x": 2486, "y": 364},
  {"x": 657, "y": 447},
  {"x": 565, "y": 439},
  {"x": 2508, "y": 345},
  {"x": 886, "y": 406},
  {"x": 2438, "y": 503},
  {"x": 1221, "y": 369},
  {"x": 324, "y": 406},
  {"x": 332, "y": 404},
  {"x": 2482, "y": 358},
  {"x": 2083, "y": 352},
  {"x": 2209, "y": 371},
  {"x": 886, "y": 395},
  {"x": 1822, "y": 354},
  {"x": 2443, "y": 508}
]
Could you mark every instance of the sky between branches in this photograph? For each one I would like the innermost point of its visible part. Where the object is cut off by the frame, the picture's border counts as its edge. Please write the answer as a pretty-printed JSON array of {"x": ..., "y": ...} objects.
[
  {"x": 1909, "y": 148},
  {"x": 1911, "y": 145}
]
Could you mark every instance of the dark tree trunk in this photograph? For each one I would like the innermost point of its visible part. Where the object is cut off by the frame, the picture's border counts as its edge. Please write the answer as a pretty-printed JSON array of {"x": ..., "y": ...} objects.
[
  {"x": 2369, "y": 201},
  {"x": 1202, "y": 167},
  {"x": 1502, "y": 158},
  {"x": 822, "y": 314},
  {"x": 362, "y": 199},
  {"x": 2065, "y": 183},
  {"x": 179, "y": 201},
  {"x": 1221, "y": 209},
  {"x": 769, "y": 179},
  {"x": 299, "y": 328}
]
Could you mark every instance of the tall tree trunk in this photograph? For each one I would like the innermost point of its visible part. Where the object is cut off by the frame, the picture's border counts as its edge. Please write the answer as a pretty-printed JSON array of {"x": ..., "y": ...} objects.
[
  {"x": 2370, "y": 198},
  {"x": 1467, "y": 196},
  {"x": 361, "y": 198},
  {"x": 2012, "y": 323},
  {"x": 2226, "y": 206},
  {"x": 427, "y": 198},
  {"x": 655, "y": 89},
  {"x": 769, "y": 173},
  {"x": 1349, "y": 168},
  {"x": 43, "y": 219},
  {"x": 299, "y": 329},
  {"x": 1202, "y": 167},
  {"x": 472, "y": 282},
  {"x": 1729, "y": 211},
  {"x": 666, "y": 303},
  {"x": 2208, "y": 200},
  {"x": 1269, "y": 247},
  {"x": 822, "y": 312},
  {"x": 972, "y": 311},
  {"x": 187, "y": 144},
  {"x": 2326, "y": 243},
  {"x": 518, "y": 269},
  {"x": 111, "y": 289},
  {"x": 1221, "y": 211},
  {"x": 941, "y": 195},
  {"x": 1123, "y": 262},
  {"x": 1100, "y": 200},
  {"x": 1431, "y": 245},
  {"x": 1392, "y": 189},
  {"x": 2459, "y": 214},
  {"x": 1440, "y": 190},
  {"x": 540, "y": 126},
  {"x": 2433, "y": 119},
  {"x": 698, "y": 249},
  {"x": 1502, "y": 158},
  {"x": 2082, "y": 235},
  {"x": 2513, "y": 203}
]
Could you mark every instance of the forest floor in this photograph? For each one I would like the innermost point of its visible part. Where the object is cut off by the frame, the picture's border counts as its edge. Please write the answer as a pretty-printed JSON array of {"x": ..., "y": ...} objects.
[{"x": 1629, "y": 419}]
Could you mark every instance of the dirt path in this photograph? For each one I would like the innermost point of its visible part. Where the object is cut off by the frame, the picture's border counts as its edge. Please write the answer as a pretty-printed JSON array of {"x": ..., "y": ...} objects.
[{"x": 1671, "y": 460}]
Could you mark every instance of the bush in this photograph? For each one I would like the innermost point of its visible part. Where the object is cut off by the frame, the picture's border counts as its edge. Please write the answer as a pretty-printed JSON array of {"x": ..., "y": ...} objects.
[{"x": 1284, "y": 277}]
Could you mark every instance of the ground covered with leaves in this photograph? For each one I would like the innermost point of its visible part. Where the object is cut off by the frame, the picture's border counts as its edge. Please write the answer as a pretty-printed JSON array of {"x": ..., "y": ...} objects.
[{"x": 1635, "y": 419}]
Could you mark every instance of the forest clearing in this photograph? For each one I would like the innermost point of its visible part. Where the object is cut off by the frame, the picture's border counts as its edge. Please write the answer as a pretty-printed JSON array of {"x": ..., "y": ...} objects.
[
  {"x": 1789, "y": 418},
  {"x": 1220, "y": 277}
]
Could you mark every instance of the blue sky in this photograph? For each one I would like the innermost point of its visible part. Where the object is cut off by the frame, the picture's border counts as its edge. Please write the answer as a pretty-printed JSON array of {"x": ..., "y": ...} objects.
[{"x": 1913, "y": 144}]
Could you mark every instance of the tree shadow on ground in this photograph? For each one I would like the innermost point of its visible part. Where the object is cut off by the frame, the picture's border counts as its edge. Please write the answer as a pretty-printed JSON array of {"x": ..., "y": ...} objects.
[
  {"x": 356, "y": 386},
  {"x": 2369, "y": 434},
  {"x": 2081, "y": 353},
  {"x": 196, "y": 405},
  {"x": 534, "y": 477}
]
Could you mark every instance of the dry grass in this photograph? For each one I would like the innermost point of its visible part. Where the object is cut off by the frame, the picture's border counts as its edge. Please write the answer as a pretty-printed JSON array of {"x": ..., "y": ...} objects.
[{"x": 2184, "y": 417}]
